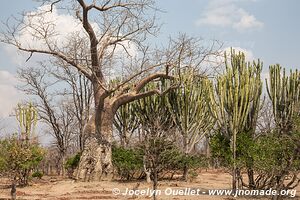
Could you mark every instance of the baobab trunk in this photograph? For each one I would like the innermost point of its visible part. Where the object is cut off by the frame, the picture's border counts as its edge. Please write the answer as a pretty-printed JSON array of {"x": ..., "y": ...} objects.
[
  {"x": 96, "y": 159},
  {"x": 95, "y": 162}
]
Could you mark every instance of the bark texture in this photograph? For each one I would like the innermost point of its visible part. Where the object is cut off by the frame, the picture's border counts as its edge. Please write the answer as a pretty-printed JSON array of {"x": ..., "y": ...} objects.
[{"x": 95, "y": 162}]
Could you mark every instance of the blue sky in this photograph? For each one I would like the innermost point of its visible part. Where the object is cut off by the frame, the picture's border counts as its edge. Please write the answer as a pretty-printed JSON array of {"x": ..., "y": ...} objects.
[
  {"x": 266, "y": 29},
  {"x": 277, "y": 41}
]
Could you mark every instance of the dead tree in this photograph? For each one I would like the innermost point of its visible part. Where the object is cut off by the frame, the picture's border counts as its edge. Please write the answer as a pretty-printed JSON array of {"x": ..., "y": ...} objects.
[{"x": 265, "y": 122}]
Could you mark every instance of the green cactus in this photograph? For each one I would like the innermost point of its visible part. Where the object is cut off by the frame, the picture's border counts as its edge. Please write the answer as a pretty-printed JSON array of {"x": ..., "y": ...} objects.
[
  {"x": 189, "y": 110},
  {"x": 126, "y": 122},
  {"x": 27, "y": 116},
  {"x": 153, "y": 109},
  {"x": 235, "y": 98},
  {"x": 284, "y": 93}
]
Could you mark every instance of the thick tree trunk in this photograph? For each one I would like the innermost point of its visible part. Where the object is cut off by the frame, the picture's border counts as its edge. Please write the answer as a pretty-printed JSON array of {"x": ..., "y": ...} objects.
[
  {"x": 90, "y": 162},
  {"x": 96, "y": 162},
  {"x": 96, "y": 159}
]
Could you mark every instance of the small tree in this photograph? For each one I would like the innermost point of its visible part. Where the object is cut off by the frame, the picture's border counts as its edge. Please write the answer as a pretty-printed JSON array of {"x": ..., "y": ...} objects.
[
  {"x": 18, "y": 161},
  {"x": 19, "y": 156},
  {"x": 159, "y": 151},
  {"x": 65, "y": 113},
  {"x": 277, "y": 161}
]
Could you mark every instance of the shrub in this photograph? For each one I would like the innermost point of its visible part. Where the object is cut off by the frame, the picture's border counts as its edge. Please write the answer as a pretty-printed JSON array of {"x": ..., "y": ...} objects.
[
  {"x": 195, "y": 162},
  {"x": 165, "y": 156},
  {"x": 72, "y": 163},
  {"x": 193, "y": 175},
  {"x": 222, "y": 153},
  {"x": 277, "y": 159},
  {"x": 37, "y": 174},
  {"x": 220, "y": 150},
  {"x": 127, "y": 162},
  {"x": 18, "y": 159},
  {"x": 175, "y": 160}
]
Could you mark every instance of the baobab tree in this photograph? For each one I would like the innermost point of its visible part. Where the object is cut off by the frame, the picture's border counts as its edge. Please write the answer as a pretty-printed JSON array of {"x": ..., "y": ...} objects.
[{"x": 106, "y": 32}]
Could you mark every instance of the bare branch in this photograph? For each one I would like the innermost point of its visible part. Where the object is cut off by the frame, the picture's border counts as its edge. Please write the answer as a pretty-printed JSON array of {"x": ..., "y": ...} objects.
[
  {"x": 136, "y": 94},
  {"x": 58, "y": 55},
  {"x": 149, "y": 78}
]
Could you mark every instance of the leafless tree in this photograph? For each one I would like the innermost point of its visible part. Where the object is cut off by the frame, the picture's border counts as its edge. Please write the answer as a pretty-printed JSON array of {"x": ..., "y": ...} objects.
[
  {"x": 81, "y": 98},
  {"x": 119, "y": 23},
  {"x": 55, "y": 113},
  {"x": 157, "y": 141},
  {"x": 51, "y": 163},
  {"x": 266, "y": 123}
]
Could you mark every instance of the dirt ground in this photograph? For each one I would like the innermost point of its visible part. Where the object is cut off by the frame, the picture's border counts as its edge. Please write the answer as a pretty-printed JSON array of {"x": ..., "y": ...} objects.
[{"x": 54, "y": 188}]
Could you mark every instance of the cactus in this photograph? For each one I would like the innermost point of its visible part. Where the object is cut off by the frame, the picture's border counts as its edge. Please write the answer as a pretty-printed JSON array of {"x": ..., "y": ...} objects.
[
  {"x": 153, "y": 109},
  {"x": 234, "y": 99},
  {"x": 189, "y": 108},
  {"x": 190, "y": 111},
  {"x": 125, "y": 122},
  {"x": 27, "y": 116},
  {"x": 284, "y": 93}
]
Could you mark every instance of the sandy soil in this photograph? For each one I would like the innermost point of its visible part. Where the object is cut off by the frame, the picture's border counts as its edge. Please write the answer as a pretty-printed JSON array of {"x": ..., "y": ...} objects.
[{"x": 54, "y": 188}]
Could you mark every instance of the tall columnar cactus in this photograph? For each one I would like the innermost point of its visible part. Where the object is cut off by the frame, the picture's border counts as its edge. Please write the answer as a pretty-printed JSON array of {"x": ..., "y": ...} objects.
[
  {"x": 126, "y": 122},
  {"x": 284, "y": 93},
  {"x": 27, "y": 117},
  {"x": 233, "y": 99},
  {"x": 153, "y": 109},
  {"x": 155, "y": 122},
  {"x": 189, "y": 110}
]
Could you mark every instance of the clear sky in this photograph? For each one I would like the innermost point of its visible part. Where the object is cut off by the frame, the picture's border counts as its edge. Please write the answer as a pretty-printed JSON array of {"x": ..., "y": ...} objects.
[{"x": 266, "y": 29}]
